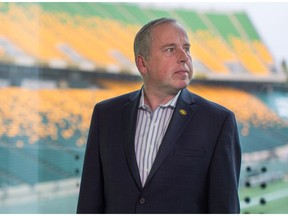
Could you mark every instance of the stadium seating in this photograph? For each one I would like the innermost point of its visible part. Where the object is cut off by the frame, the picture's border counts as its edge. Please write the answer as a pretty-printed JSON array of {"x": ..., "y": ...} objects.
[
  {"x": 44, "y": 131},
  {"x": 47, "y": 112},
  {"x": 81, "y": 34}
]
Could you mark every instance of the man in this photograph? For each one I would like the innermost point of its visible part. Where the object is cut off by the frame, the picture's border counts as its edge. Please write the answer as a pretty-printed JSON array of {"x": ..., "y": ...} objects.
[{"x": 161, "y": 149}]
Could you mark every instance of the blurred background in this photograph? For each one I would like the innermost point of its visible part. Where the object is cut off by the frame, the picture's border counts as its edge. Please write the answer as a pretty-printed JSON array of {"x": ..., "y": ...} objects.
[{"x": 58, "y": 59}]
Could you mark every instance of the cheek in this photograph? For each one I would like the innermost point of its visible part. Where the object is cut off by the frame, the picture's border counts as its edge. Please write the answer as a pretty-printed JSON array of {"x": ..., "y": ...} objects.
[
  {"x": 162, "y": 69},
  {"x": 190, "y": 65},
  {"x": 166, "y": 72}
]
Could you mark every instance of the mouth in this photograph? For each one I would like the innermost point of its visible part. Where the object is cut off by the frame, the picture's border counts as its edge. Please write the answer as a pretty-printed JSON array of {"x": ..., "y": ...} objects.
[{"x": 182, "y": 72}]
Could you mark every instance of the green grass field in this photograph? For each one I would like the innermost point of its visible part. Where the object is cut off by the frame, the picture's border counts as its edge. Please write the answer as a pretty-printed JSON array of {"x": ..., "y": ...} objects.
[{"x": 272, "y": 199}]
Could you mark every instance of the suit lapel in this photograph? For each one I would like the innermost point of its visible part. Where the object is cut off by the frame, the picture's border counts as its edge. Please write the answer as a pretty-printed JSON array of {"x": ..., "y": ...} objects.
[
  {"x": 129, "y": 118},
  {"x": 182, "y": 115}
]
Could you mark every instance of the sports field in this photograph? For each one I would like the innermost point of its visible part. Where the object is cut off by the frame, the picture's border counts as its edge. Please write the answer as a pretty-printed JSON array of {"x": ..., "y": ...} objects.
[{"x": 272, "y": 199}]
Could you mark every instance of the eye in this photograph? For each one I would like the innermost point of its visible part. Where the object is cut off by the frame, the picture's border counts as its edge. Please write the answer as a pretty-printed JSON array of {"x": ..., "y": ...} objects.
[
  {"x": 187, "y": 49},
  {"x": 169, "y": 50}
]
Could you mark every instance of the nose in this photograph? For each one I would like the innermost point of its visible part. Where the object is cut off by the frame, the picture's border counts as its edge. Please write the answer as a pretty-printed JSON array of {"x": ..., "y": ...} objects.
[{"x": 183, "y": 56}]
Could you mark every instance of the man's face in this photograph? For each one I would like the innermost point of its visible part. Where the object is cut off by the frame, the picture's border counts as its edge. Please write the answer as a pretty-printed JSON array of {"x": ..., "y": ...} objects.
[{"x": 169, "y": 66}]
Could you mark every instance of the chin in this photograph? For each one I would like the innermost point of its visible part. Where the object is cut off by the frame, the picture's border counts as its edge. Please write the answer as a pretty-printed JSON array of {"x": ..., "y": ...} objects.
[{"x": 183, "y": 84}]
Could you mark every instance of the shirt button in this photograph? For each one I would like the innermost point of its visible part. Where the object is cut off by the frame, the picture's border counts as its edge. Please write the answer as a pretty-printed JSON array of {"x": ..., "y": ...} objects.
[{"x": 142, "y": 201}]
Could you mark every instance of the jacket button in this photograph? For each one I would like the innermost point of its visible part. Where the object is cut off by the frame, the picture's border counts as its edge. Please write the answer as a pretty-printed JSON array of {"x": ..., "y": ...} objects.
[{"x": 142, "y": 201}]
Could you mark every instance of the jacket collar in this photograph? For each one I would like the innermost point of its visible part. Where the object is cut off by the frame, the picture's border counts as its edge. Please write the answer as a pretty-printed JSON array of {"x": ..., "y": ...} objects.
[{"x": 185, "y": 95}]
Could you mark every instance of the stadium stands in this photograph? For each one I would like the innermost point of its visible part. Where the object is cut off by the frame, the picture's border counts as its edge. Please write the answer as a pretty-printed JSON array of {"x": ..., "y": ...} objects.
[
  {"x": 45, "y": 116},
  {"x": 50, "y": 33}
]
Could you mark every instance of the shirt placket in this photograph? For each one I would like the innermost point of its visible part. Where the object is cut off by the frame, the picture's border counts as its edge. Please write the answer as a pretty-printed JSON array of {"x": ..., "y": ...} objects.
[{"x": 152, "y": 140}]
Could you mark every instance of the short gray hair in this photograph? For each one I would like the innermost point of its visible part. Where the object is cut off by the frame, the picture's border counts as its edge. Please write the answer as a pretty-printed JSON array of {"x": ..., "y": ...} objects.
[{"x": 142, "y": 41}]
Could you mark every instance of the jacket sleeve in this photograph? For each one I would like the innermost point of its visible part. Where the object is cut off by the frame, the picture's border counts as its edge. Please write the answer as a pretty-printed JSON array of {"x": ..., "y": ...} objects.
[
  {"x": 225, "y": 170},
  {"x": 91, "y": 194}
]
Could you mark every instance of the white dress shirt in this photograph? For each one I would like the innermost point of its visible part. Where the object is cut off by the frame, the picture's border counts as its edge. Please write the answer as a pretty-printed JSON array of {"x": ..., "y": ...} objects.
[{"x": 150, "y": 130}]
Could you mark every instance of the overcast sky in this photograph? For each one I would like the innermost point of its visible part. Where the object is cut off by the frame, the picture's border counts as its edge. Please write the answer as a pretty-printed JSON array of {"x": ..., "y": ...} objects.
[{"x": 269, "y": 18}]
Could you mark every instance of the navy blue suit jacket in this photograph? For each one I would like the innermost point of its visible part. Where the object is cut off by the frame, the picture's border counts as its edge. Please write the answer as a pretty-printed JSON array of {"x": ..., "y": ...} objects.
[{"x": 196, "y": 169}]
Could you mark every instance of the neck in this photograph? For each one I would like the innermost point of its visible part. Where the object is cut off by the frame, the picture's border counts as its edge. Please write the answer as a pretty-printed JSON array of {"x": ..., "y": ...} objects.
[{"x": 155, "y": 98}]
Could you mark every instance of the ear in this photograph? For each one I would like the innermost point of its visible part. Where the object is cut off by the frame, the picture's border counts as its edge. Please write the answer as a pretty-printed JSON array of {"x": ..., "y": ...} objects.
[{"x": 141, "y": 64}]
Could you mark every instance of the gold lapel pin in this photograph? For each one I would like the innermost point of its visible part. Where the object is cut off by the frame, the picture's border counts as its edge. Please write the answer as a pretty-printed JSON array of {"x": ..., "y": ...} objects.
[{"x": 183, "y": 112}]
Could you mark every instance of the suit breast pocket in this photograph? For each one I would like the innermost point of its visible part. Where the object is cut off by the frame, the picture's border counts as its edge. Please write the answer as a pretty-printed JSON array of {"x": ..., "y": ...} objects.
[{"x": 184, "y": 158}]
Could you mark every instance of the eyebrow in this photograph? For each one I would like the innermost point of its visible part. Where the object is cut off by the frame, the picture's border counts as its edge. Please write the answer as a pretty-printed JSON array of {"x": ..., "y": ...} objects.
[
  {"x": 168, "y": 45},
  {"x": 173, "y": 45}
]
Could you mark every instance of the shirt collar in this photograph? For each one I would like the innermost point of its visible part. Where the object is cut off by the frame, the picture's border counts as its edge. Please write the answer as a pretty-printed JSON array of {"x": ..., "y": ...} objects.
[{"x": 171, "y": 103}]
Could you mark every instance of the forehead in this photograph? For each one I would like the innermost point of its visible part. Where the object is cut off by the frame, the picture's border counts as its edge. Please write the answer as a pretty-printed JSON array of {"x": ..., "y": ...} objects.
[{"x": 169, "y": 32}]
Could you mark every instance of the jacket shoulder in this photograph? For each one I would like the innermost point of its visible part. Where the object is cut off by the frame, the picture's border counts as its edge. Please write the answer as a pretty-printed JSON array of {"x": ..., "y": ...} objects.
[
  {"x": 211, "y": 106},
  {"x": 118, "y": 100}
]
